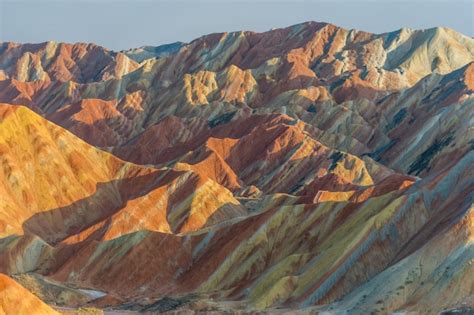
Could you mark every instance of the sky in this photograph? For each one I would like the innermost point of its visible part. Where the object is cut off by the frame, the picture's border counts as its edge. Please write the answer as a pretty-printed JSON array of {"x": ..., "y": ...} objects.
[{"x": 127, "y": 24}]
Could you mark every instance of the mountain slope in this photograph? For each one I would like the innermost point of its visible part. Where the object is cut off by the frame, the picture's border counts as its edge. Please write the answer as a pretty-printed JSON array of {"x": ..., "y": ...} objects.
[
  {"x": 310, "y": 168},
  {"x": 54, "y": 186},
  {"x": 14, "y": 299},
  {"x": 58, "y": 61},
  {"x": 290, "y": 70}
]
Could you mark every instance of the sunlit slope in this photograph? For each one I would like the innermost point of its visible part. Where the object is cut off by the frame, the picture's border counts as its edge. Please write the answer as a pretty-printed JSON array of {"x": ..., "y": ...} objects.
[
  {"x": 16, "y": 300},
  {"x": 303, "y": 70},
  {"x": 54, "y": 184},
  {"x": 298, "y": 255},
  {"x": 309, "y": 167}
]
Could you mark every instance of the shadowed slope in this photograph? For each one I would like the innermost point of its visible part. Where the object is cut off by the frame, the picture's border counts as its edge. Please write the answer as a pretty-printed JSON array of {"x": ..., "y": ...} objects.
[
  {"x": 305, "y": 167},
  {"x": 55, "y": 185},
  {"x": 312, "y": 71},
  {"x": 286, "y": 254}
]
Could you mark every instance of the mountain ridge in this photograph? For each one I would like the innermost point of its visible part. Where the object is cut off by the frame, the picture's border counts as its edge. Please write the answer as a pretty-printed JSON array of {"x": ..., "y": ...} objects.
[{"x": 305, "y": 169}]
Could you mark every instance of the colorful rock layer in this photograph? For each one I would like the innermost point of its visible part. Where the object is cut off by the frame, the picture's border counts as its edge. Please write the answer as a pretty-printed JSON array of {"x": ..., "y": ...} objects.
[{"x": 304, "y": 169}]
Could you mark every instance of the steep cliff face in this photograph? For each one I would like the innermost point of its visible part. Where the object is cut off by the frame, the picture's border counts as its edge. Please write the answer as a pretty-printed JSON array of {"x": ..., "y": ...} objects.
[{"x": 309, "y": 167}]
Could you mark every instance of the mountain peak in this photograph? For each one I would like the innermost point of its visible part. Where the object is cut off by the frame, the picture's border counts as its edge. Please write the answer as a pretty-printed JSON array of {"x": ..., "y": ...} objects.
[{"x": 309, "y": 168}]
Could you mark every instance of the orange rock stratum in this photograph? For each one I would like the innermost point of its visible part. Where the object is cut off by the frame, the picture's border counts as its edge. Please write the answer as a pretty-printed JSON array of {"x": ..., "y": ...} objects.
[{"x": 309, "y": 169}]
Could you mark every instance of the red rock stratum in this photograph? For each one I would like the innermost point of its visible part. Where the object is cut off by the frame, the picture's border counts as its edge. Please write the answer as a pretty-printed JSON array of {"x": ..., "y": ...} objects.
[{"x": 304, "y": 169}]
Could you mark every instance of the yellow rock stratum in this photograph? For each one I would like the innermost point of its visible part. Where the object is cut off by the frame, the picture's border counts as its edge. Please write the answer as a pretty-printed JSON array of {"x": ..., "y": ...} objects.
[
  {"x": 54, "y": 185},
  {"x": 16, "y": 300},
  {"x": 310, "y": 168}
]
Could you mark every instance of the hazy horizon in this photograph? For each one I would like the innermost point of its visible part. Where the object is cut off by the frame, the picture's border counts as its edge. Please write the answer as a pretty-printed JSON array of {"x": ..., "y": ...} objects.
[{"x": 115, "y": 25}]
